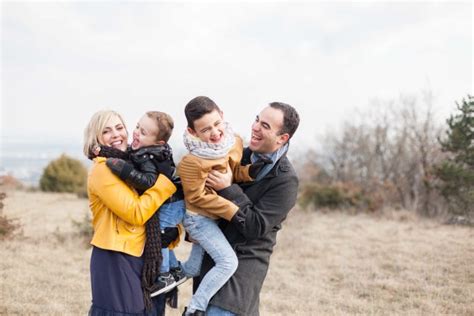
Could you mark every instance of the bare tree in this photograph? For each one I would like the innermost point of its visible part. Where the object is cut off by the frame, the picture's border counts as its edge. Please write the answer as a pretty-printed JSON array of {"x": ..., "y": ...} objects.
[{"x": 390, "y": 151}]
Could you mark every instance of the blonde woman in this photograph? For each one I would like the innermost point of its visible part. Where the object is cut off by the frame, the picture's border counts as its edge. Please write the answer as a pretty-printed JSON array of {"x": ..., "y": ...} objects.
[{"x": 119, "y": 215}]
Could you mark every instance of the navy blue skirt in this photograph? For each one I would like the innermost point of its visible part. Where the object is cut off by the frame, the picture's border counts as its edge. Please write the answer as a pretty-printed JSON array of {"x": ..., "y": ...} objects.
[{"x": 116, "y": 286}]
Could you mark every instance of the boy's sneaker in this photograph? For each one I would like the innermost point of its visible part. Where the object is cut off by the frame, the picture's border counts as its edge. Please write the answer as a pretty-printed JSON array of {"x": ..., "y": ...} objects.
[
  {"x": 178, "y": 275},
  {"x": 163, "y": 284}
]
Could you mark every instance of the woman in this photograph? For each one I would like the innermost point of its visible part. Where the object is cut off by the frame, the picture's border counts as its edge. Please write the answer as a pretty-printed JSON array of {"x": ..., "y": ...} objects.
[{"x": 119, "y": 215}]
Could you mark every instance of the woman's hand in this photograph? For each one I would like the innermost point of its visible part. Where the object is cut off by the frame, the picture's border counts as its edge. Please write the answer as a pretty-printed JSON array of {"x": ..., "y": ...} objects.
[{"x": 218, "y": 180}]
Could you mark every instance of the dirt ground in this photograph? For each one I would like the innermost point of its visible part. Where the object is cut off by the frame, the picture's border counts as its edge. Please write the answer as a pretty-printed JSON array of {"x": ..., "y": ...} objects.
[{"x": 323, "y": 263}]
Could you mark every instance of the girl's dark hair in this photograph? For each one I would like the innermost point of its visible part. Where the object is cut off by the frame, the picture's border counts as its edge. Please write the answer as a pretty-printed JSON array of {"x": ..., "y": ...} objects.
[{"x": 197, "y": 108}]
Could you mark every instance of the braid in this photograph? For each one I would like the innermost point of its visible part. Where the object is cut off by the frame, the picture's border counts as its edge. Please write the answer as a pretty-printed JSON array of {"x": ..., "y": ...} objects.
[{"x": 152, "y": 257}]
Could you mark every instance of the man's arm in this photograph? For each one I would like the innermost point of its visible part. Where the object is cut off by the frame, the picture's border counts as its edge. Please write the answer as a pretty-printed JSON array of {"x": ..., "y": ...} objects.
[{"x": 255, "y": 220}]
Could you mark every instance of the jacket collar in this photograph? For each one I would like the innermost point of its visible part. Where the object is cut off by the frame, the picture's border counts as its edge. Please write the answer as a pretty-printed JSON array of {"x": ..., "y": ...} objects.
[
  {"x": 99, "y": 159},
  {"x": 161, "y": 152}
]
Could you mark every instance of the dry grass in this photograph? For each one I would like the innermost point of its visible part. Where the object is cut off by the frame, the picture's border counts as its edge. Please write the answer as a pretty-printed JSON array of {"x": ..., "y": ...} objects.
[
  {"x": 46, "y": 271},
  {"x": 324, "y": 264}
]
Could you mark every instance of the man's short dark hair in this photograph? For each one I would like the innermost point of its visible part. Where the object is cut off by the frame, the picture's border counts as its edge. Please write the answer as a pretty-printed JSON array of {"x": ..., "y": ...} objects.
[
  {"x": 291, "y": 119},
  {"x": 197, "y": 108}
]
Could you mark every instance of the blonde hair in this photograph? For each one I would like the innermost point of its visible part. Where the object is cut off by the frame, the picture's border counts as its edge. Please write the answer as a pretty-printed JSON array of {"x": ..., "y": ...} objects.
[
  {"x": 164, "y": 123},
  {"x": 94, "y": 129}
]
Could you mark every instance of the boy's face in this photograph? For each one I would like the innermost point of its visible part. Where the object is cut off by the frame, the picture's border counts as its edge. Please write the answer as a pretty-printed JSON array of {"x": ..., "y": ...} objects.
[
  {"x": 209, "y": 128},
  {"x": 145, "y": 133}
]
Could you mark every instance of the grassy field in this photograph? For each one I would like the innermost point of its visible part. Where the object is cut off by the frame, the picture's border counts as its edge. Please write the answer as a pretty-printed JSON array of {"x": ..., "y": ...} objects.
[{"x": 323, "y": 264}]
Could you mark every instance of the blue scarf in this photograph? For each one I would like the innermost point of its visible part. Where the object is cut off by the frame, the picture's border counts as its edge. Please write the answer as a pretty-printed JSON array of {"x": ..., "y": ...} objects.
[{"x": 274, "y": 156}]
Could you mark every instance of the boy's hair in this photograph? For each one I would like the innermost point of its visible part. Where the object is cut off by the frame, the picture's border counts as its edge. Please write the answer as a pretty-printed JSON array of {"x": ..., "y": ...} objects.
[
  {"x": 94, "y": 129},
  {"x": 197, "y": 108},
  {"x": 291, "y": 119},
  {"x": 165, "y": 124}
]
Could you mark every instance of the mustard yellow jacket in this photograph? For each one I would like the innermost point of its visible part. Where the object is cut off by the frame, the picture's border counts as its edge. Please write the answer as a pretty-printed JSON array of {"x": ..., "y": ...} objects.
[{"x": 119, "y": 214}]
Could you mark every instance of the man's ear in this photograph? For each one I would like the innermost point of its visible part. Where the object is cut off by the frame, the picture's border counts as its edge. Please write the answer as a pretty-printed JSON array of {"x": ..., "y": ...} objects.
[
  {"x": 222, "y": 114},
  {"x": 191, "y": 131},
  {"x": 161, "y": 142},
  {"x": 283, "y": 138}
]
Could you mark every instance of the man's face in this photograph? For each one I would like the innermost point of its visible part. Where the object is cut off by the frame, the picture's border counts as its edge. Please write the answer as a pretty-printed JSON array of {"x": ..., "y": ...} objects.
[{"x": 265, "y": 130}]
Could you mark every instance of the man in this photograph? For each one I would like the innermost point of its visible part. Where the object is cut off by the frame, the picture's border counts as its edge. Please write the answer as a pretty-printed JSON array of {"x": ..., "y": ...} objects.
[{"x": 263, "y": 205}]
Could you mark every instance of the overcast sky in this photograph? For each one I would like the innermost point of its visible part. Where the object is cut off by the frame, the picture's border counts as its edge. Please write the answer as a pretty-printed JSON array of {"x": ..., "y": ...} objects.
[{"x": 62, "y": 61}]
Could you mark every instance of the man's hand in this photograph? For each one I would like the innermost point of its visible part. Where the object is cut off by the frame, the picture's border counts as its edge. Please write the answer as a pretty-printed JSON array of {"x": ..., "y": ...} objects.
[{"x": 218, "y": 180}]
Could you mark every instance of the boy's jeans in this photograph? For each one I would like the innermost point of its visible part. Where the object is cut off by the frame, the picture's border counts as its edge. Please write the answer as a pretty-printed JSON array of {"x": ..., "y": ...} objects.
[
  {"x": 211, "y": 240},
  {"x": 171, "y": 214},
  {"x": 213, "y": 310}
]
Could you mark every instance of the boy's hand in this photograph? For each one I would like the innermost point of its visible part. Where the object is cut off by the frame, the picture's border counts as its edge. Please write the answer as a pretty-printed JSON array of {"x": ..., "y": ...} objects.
[
  {"x": 111, "y": 152},
  {"x": 119, "y": 167},
  {"x": 96, "y": 150},
  {"x": 168, "y": 235},
  {"x": 218, "y": 180},
  {"x": 257, "y": 166},
  {"x": 166, "y": 168}
]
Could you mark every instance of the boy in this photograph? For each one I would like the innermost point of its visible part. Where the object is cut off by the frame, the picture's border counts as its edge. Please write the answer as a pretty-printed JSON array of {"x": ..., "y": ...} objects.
[{"x": 212, "y": 145}]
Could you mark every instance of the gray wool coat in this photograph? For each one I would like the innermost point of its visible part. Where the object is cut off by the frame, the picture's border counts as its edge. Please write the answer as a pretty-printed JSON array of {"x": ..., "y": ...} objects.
[{"x": 263, "y": 206}]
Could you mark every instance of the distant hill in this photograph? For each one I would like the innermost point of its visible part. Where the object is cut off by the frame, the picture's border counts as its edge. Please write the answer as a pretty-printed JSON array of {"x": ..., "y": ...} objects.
[{"x": 26, "y": 159}]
